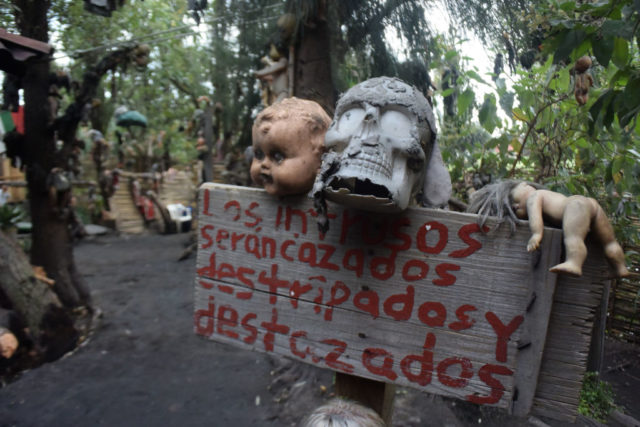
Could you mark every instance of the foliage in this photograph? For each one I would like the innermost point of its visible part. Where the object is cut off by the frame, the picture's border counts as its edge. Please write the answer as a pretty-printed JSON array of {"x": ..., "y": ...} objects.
[
  {"x": 539, "y": 132},
  {"x": 10, "y": 215},
  {"x": 596, "y": 398}
]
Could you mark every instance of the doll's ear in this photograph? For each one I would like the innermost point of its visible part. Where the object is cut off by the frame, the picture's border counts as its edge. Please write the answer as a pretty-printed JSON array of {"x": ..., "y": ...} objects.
[{"x": 437, "y": 181}]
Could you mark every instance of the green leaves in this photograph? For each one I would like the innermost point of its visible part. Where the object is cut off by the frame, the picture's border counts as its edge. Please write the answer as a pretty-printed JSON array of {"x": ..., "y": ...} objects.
[
  {"x": 465, "y": 100},
  {"x": 569, "y": 41},
  {"x": 620, "y": 54},
  {"x": 488, "y": 113},
  {"x": 603, "y": 49}
]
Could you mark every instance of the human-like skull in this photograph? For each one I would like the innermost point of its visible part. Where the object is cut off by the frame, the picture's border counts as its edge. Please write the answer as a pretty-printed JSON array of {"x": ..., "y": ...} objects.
[{"x": 382, "y": 150}]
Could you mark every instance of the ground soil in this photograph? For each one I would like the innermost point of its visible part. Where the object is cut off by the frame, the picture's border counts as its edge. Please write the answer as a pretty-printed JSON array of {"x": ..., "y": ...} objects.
[{"x": 144, "y": 366}]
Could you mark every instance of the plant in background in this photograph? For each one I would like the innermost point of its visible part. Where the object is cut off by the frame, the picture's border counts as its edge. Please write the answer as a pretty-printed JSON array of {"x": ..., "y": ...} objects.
[
  {"x": 596, "y": 398},
  {"x": 10, "y": 215}
]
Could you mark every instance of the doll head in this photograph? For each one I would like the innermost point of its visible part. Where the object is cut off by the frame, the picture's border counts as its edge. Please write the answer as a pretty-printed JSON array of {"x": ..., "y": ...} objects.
[{"x": 288, "y": 141}]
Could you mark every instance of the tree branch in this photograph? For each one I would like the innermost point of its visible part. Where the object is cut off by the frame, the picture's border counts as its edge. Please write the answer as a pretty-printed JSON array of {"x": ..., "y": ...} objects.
[{"x": 531, "y": 125}]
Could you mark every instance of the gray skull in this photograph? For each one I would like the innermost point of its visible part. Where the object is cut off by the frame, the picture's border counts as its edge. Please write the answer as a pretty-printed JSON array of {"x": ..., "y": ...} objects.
[{"x": 381, "y": 146}]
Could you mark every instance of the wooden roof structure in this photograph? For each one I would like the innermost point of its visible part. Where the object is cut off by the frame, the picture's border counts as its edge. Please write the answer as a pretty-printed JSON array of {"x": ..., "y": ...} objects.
[{"x": 15, "y": 50}]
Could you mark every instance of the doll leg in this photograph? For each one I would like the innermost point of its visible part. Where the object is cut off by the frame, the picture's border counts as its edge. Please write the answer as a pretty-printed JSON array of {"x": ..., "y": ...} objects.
[
  {"x": 613, "y": 251},
  {"x": 576, "y": 221}
]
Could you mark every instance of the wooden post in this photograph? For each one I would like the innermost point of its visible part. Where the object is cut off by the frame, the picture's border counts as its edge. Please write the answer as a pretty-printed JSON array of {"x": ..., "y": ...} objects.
[
  {"x": 376, "y": 395},
  {"x": 207, "y": 160}
]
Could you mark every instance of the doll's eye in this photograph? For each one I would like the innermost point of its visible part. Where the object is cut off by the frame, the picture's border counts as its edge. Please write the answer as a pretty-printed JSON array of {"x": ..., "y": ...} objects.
[
  {"x": 278, "y": 157},
  {"x": 258, "y": 154}
]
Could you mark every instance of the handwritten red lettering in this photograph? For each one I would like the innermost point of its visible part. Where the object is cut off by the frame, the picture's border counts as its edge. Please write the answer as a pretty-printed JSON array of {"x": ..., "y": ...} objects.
[
  {"x": 445, "y": 279},
  {"x": 432, "y": 306},
  {"x": 240, "y": 274},
  {"x": 405, "y": 300},
  {"x": 205, "y": 207},
  {"x": 382, "y": 268},
  {"x": 368, "y": 301},
  {"x": 208, "y": 315},
  {"x": 205, "y": 285},
  {"x": 296, "y": 290},
  {"x": 235, "y": 238},
  {"x": 497, "y": 389},
  {"x": 425, "y": 361},
  {"x": 293, "y": 339},
  {"x": 268, "y": 243},
  {"x": 233, "y": 204},
  {"x": 404, "y": 237},
  {"x": 423, "y": 231},
  {"x": 225, "y": 271},
  {"x": 273, "y": 283},
  {"x": 273, "y": 328},
  {"x": 226, "y": 289},
  {"x": 318, "y": 300},
  {"x": 462, "y": 380},
  {"x": 209, "y": 270},
  {"x": 358, "y": 267},
  {"x": 326, "y": 256},
  {"x": 289, "y": 213},
  {"x": 473, "y": 244},
  {"x": 231, "y": 321},
  {"x": 206, "y": 236},
  {"x": 283, "y": 250},
  {"x": 423, "y": 269},
  {"x": 249, "y": 212},
  {"x": 386, "y": 369},
  {"x": 346, "y": 223},
  {"x": 503, "y": 332},
  {"x": 220, "y": 236},
  {"x": 331, "y": 359},
  {"x": 334, "y": 299},
  {"x": 252, "y": 245},
  {"x": 307, "y": 253},
  {"x": 253, "y": 331},
  {"x": 464, "y": 321}
]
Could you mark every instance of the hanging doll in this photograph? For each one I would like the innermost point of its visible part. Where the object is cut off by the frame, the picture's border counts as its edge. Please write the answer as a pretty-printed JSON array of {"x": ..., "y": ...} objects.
[{"x": 512, "y": 200}]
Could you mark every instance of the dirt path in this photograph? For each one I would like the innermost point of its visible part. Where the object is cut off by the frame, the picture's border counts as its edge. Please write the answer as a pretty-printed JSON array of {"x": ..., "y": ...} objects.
[{"x": 145, "y": 366}]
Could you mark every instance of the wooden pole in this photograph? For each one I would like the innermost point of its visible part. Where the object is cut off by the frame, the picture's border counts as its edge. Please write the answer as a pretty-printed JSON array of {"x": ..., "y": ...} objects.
[
  {"x": 207, "y": 161},
  {"x": 376, "y": 395}
]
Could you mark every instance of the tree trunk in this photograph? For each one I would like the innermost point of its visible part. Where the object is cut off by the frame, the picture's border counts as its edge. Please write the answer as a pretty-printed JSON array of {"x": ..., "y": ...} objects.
[
  {"x": 35, "y": 303},
  {"x": 313, "y": 79},
  {"x": 51, "y": 246}
]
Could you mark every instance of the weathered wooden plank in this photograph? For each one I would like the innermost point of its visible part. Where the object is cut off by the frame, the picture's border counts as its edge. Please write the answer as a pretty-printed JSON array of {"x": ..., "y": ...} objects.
[
  {"x": 421, "y": 298},
  {"x": 575, "y": 304},
  {"x": 542, "y": 285}
]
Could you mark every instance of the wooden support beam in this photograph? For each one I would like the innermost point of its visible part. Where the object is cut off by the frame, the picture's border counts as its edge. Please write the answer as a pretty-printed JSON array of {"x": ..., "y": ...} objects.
[{"x": 376, "y": 395}]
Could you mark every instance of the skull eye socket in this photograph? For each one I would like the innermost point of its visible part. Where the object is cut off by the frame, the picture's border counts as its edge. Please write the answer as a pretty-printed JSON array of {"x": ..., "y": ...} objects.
[
  {"x": 396, "y": 123},
  {"x": 415, "y": 164},
  {"x": 350, "y": 120}
]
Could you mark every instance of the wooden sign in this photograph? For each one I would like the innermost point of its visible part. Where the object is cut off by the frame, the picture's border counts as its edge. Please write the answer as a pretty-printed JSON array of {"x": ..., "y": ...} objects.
[{"x": 422, "y": 299}]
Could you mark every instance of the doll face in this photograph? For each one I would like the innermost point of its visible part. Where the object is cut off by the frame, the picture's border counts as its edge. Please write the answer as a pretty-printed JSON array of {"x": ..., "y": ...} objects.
[
  {"x": 284, "y": 159},
  {"x": 519, "y": 196}
]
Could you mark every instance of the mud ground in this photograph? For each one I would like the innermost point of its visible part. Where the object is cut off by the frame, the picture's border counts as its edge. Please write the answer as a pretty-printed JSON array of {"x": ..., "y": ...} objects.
[{"x": 144, "y": 366}]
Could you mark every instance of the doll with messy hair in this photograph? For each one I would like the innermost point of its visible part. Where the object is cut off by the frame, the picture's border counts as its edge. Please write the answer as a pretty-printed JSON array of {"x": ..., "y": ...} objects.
[
  {"x": 511, "y": 200},
  {"x": 288, "y": 142},
  {"x": 343, "y": 413}
]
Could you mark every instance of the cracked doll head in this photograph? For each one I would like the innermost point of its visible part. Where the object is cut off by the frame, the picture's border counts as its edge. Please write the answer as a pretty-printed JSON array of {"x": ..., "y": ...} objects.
[
  {"x": 384, "y": 151},
  {"x": 288, "y": 142}
]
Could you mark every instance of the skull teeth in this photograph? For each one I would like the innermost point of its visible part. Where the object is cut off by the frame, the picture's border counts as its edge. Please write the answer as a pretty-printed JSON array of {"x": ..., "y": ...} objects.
[{"x": 371, "y": 164}]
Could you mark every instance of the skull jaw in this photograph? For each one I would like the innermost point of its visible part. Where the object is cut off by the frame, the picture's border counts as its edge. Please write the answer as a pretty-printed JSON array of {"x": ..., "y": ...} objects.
[{"x": 365, "y": 193}]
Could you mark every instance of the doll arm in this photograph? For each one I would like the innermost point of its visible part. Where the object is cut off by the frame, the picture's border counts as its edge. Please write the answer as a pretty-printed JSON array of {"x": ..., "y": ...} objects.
[{"x": 536, "y": 224}]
